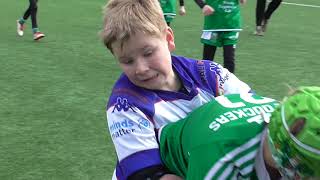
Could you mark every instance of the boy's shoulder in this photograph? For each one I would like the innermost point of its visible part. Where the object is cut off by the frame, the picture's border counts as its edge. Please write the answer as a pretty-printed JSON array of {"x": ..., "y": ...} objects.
[
  {"x": 191, "y": 64},
  {"x": 182, "y": 60},
  {"x": 125, "y": 94},
  {"x": 201, "y": 71},
  {"x": 208, "y": 75}
]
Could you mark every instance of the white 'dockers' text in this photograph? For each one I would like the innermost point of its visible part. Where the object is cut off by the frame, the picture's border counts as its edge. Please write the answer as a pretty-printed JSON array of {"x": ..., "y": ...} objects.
[{"x": 255, "y": 112}]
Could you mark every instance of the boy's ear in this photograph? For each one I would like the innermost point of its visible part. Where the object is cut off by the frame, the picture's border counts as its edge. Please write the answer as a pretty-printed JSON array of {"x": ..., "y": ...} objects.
[{"x": 170, "y": 39}]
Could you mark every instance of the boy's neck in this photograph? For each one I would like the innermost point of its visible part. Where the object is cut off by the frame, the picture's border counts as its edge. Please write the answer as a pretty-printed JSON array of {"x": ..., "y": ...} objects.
[{"x": 177, "y": 82}]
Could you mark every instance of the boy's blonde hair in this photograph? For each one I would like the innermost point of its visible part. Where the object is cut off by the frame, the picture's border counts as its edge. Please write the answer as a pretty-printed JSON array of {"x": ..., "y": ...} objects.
[{"x": 124, "y": 18}]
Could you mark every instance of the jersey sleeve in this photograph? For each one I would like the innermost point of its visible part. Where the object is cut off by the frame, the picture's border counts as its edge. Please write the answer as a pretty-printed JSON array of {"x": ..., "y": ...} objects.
[
  {"x": 209, "y": 76},
  {"x": 133, "y": 135}
]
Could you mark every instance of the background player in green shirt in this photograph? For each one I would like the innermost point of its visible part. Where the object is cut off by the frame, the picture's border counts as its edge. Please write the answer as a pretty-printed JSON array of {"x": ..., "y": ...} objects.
[
  {"x": 228, "y": 138},
  {"x": 169, "y": 9},
  {"x": 222, "y": 24}
]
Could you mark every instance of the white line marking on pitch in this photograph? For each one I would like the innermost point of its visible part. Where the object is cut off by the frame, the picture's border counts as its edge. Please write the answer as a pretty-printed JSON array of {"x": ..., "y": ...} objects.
[{"x": 305, "y": 5}]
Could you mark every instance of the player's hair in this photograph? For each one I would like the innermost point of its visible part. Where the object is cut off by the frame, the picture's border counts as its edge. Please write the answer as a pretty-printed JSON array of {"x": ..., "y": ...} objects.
[{"x": 124, "y": 18}]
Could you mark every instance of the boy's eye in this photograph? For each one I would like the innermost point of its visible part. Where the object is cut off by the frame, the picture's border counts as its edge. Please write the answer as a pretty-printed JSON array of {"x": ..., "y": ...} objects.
[
  {"x": 126, "y": 61},
  {"x": 148, "y": 53}
]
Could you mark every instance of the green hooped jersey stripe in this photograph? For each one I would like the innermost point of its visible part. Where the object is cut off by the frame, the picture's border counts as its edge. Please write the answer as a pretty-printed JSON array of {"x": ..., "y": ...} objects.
[
  {"x": 242, "y": 157},
  {"x": 219, "y": 140}
]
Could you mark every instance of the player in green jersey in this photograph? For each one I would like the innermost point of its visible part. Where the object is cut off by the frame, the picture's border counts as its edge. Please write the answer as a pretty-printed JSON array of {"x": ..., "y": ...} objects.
[
  {"x": 228, "y": 138},
  {"x": 169, "y": 9},
  {"x": 222, "y": 24}
]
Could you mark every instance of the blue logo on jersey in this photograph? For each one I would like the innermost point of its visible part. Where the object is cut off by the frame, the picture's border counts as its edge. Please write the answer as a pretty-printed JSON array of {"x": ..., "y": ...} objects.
[
  {"x": 121, "y": 128},
  {"x": 222, "y": 78},
  {"x": 214, "y": 67},
  {"x": 123, "y": 104},
  {"x": 144, "y": 123},
  {"x": 200, "y": 62},
  {"x": 202, "y": 70},
  {"x": 121, "y": 124}
]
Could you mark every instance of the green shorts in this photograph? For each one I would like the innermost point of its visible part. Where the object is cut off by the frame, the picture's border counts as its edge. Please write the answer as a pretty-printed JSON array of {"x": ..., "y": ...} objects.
[
  {"x": 220, "y": 38},
  {"x": 169, "y": 18}
]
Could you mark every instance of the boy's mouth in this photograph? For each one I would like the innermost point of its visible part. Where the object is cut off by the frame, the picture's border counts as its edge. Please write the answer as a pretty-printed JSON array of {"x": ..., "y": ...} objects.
[{"x": 150, "y": 78}]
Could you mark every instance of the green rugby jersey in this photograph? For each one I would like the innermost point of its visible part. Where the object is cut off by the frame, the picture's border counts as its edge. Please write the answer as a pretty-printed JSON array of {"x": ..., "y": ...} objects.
[
  {"x": 226, "y": 16},
  {"x": 219, "y": 140},
  {"x": 169, "y": 9}
]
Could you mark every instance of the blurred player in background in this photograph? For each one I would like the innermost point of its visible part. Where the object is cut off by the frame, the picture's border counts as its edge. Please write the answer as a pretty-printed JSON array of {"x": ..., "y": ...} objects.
[
  {"x": 222, "y": 24},
  {"x": 263, "y": 15},
  {"x": 169, "y": 9},
  {"x": 231, "y": 138},
  {"x": 31, "y": 11}
]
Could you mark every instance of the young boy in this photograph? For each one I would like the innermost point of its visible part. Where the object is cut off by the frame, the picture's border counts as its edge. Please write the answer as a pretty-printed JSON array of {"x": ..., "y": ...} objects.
[
  {"x": 31, "y": 11},
  {"x": 228, "y": 138},
  {"x": 169, "y": 9},
  {"x": 222, "y": 24},
  {"x": 155, "y": 88},
  {"x": 263, "y": 15}
]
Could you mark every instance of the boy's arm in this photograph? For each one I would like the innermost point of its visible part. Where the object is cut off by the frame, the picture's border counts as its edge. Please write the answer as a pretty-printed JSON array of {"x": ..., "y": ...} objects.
[
  {"x": 243, "y": 1},
  {"x": 200, "y": 3},
  {"x": 170, "y": 177},
  {"x": 133, "y": 135},
  {"x": 155, "y": 172},
  {"x": 206, "y": 9}
]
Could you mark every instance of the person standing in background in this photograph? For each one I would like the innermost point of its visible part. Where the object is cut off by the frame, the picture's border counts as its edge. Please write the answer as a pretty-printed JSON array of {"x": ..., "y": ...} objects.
[
  {"x": 169, "y": 9},
  {"x": 263, "y": 15},
  {"x": 31, "y": 11},
  {"x": 222, "y": 24}
]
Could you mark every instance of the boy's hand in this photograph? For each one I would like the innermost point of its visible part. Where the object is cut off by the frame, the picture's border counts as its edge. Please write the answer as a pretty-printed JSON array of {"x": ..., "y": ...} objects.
[
  {"x": 243, "y": 1},
  {"x": 170, "y": 177},
  {"x": 207, "y": 10},
  {"x": 182, "y": 11}
]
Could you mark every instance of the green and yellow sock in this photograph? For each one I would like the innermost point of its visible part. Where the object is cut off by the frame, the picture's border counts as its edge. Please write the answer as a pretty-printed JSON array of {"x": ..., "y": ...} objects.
[
  {"x": 22, "y": 21},
  {"x": 35, "y": 30}
]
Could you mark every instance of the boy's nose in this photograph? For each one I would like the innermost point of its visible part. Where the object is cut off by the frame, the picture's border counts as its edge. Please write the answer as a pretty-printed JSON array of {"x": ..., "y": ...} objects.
[{"x": 141, "y": 68}]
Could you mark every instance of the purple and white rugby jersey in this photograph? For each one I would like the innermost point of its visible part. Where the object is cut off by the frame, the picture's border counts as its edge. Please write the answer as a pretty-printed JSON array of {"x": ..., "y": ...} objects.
[{"x": 135, "y": 114}]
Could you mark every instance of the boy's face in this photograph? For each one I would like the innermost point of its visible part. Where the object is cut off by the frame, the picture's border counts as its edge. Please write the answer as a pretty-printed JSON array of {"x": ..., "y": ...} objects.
[{"x": 146, "y": 60}]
